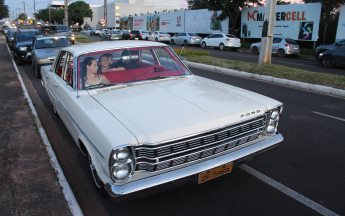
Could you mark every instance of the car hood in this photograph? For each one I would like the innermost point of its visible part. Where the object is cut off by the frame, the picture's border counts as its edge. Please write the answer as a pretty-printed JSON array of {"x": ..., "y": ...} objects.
[
  {"x": 24, "y": 43},
  {"x": 329, "y": 46},
  {"x": 169, "y": 109},
  {"x": 333, "y": 52},
  {"x": 47, "y": 52}
]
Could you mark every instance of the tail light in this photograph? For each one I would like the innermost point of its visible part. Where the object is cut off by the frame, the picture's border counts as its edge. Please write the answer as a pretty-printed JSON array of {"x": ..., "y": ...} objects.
[
  {"x": 121, "y": 35},
  {"x": 111, "y": 35},
  {"x": 141, "y": 34},
  {"x": 287, "y": 45},
  {"x": 228, "y": 40},
  {"x": 131, "y": 35},
  {"x": 161, "y": 36}
]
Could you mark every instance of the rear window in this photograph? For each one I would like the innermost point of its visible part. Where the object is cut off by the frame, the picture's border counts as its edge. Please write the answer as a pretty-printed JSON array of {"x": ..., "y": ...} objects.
[
  {"x": 163, "y": 32},
  {"x": 290, "y": 41},
  {"x": 62, "y": 28},
  {"x": 42, "y": 43},
  {"x": 231, "y": 36}
]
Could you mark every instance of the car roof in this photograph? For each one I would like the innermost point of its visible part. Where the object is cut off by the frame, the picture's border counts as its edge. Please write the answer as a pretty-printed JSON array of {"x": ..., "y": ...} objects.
[
  {"x": 51, "y": 36},
  {"x": 108, "y": 45},
  {"x": 28, "y": 30}
]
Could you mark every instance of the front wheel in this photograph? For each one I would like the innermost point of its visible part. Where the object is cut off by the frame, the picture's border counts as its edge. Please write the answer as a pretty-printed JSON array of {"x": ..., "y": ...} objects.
[
  {"x": 96, "y": 180},
  {"x": 172, "y": 42},
  {"x": 255, "y": 50},
  {"x": 203, "y": 45},
  {"x": 156, "y": 39},
  {"x": 221, "y": 46},
  {"x": 38, "y": 71},
  {"x": 281, "y": 53},
  {"x": 328, "y": 61}
]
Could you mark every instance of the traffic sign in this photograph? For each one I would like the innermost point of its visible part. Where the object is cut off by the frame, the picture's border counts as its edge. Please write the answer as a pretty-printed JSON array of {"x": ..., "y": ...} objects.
[{"x": 102, "y": 21}]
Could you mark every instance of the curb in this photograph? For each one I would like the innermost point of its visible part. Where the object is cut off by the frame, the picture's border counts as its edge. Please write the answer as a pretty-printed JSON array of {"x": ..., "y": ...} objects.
[
  {"x": 290, "y": 83},
  {"x": 62, "y": 181}
]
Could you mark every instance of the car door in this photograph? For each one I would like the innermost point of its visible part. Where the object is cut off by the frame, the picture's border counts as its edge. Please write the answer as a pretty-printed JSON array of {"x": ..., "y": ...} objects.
[
  {"x": 66, "y": 96},
  {"x": 276, "y": 44},
  {"x": 218, "y": 40}
]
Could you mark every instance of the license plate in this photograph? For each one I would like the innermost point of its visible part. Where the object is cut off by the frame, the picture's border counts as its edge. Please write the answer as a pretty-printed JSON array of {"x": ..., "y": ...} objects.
[{"x": 215, "y": 172}]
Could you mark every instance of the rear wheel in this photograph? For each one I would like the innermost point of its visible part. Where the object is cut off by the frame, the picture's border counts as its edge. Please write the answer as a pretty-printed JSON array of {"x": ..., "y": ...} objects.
[
  {"x": 96, "y": 180},
  {"x": 328, "y": 61},
  {"x": 255, "y": 50},
  {"x": 185, "y": 43},
  {"x": 172, "y": 42},
  {"x": 203, "y": 45},
  {"x": 281, "y": 53},
  {"x": 156, "y": 39},
  {"x": 221, "y": 46}
]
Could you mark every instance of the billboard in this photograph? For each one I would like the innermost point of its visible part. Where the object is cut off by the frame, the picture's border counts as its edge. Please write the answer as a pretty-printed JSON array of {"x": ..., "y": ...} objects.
[
  {"x": 126, "y": 23},
  {"x": 341, "y": 25},
  {"x": 152, "y": 22},
  {"x": 296, "y": 21},
  {"x": 205, "y": 22},
  {"x": 139, "y": 23},
  {"x": 172, "y": 22}
]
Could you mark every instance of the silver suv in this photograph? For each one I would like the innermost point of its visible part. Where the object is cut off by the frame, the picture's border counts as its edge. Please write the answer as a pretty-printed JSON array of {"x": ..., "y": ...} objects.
[{"x": 280, "y": 46}]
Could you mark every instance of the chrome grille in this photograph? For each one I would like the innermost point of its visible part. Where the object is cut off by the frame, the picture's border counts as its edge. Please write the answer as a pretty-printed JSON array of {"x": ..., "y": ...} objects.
[{"x": 170, "y": 154}]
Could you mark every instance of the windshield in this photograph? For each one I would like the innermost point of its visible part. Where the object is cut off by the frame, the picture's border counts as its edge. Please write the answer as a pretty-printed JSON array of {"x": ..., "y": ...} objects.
[
  {"x": 128, "y": 65},
  {"x": 26, "y": 36},
  {"x": 51, "y": 43},
  {"x": 62, "y": 28},
  {"x": 192, "y": 34},
  {"x": 114, "y": 32},
  {"x": 290, "y": 41}
]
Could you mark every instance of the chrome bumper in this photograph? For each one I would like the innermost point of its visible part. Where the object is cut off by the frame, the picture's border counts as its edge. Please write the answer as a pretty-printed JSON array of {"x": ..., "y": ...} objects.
[{"x": 135, "y": 189}]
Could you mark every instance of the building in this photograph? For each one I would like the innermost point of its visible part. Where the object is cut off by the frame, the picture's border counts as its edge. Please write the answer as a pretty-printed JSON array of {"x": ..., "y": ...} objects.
[{"x": 123, "y": 8}]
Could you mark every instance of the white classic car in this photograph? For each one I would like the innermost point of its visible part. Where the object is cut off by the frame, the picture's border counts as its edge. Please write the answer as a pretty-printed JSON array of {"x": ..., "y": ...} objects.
[{"x": 147, "y": 123}]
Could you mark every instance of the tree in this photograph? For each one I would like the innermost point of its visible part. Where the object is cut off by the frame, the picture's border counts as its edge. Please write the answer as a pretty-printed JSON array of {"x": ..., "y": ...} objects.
[
  {"x": 3, "y": 10},
  {"x": 281, "y": 2},
  {"x": 22, "y": 16},
  {"x": 55, "y": 15},
  {"x": 329, "y": 13},
  {"x": 77, "y": 11},
  {"x": 197, "y": 4}
]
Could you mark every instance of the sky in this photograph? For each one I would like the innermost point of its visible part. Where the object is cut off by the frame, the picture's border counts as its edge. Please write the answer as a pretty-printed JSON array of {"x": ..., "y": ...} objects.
[{"x": 41, "y": 4}]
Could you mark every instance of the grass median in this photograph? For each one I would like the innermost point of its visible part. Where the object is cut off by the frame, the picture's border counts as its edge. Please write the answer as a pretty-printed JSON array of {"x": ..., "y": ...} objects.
[
  {"x": 81, "y": 40},
  {"x": 273, "y": 70}
]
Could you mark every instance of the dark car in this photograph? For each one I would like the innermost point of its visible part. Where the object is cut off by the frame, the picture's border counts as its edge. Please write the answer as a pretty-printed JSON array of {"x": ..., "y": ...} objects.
[
  {"x": 63, "y": 29},
  {"x": 332, "y": 58},
  {"x": 22, "y": 43},
  {"x": 8, "y": 35},
  {"x": 45, "y": 48},
  {"x": 11, "y": 38},
  {"x": 340, "y": 45},
  {"x": 126, "y": 34},
  {"x": 136, "y": 35}
]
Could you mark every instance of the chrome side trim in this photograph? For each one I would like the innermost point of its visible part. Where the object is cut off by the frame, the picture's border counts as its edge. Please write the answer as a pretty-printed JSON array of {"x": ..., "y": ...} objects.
[
  {"x": 75, "y": 122},
  {"x": 116, "y": 191}
]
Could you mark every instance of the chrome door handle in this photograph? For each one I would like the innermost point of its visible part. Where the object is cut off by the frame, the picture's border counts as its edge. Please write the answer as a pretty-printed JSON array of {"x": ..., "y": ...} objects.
[
  {"x": 56, "y": 85},
  {"x": 46, "y": 76}
]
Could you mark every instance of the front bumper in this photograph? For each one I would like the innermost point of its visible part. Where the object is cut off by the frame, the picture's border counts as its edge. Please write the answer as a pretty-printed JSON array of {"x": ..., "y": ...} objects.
[
  {"x": 189, "y": 174},
  {"x": 24, "y": 56}
]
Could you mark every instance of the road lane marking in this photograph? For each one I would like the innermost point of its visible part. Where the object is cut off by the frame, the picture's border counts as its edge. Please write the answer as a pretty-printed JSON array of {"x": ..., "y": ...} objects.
[
  {"x": 293, "y": 194},
  {"x": 328, "y": 116}
]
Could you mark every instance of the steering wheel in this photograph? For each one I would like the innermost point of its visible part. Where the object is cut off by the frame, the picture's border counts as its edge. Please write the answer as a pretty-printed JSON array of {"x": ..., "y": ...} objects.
[{"x": 152, "y": 69}]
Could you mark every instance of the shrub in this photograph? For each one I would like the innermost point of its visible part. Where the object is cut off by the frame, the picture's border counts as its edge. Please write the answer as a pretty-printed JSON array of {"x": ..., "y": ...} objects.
[
  {"x": 190, "y": 52},
  {"x": 81, "y": 37}
]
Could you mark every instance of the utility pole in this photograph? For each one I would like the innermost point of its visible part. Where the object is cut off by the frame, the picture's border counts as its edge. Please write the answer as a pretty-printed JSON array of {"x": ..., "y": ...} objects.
[
  {"x": 50, "y": 21},
  {"x": 24, "y": 14},
  {"x": 267, "y": 33},
  {"x": 105, "y": 13},
  {"x": 66, "y": 12},
  {"x": 35, "y": 23}
]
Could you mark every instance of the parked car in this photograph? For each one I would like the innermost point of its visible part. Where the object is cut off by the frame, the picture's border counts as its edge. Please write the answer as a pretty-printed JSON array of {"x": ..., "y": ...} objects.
[
  {"x": 221, "y": 41},
  {"x": 9, "y": 34},
  {"x": 11, "y": 38},
  {"x": 87, "y": 31},
  {"x": 143, "y": 34},
  {"x": 112, "y": 35},
  {"x": 95, "y": 31},
  {"x": 22, "y": 43},
  {"x": 186, "y": 39},
  {"x": 127, "y": 35},
  {"x": 280, "y": 46},
  {"x": 340, "y": 45},
  {"x": 151, "y": 124},
  {"x": 45, "y": 49},
  {"x": 331, "y": 58},
  {"x": 159, "y": 36},
  {"x": 63, "y": 29}
]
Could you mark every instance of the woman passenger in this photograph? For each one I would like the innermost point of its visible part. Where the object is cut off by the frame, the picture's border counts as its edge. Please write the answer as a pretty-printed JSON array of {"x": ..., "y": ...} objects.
[{"x": 88, "y": 74}]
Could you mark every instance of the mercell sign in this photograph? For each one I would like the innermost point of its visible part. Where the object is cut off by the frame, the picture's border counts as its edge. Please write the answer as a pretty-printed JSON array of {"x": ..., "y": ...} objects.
[{"x": 296, "y": 21}]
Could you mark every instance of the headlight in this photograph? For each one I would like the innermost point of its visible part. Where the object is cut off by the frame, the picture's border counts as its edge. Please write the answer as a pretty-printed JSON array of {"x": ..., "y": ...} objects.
[
  {"x": 72, "y": 35},
  {"x": 11, "y": 38},
  {"x": 121, "y": 163},
  {"x": 23, "y": 48},
  {"x": 43, "y": 60},
  {"x": 273, "y": 120},
  {"x": 320, "y": 54}
]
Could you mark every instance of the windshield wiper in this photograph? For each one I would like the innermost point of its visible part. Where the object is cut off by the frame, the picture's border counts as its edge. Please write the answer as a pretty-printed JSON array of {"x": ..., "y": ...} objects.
[
  {"x": 100, "y": 85},
  {"x": 157, "y": 77}
]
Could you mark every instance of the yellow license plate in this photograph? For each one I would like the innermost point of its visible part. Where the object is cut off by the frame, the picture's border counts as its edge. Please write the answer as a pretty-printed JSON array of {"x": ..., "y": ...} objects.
[{"x": 215, "y": 172}]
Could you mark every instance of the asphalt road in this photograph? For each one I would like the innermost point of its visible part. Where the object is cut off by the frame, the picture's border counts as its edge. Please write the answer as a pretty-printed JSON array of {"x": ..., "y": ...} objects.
[
  {"x": 309, "y": 161},
  {"x": 248, "y": 57}
]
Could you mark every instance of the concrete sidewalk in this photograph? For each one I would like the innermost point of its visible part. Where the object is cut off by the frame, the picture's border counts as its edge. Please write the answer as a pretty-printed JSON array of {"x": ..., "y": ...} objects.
[{"x": 28, "y": 181}]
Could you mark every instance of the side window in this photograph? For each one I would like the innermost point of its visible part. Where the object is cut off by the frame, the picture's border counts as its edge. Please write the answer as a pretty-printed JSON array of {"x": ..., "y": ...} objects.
[
  {"x": 178, "y": 35},
  {"x": 183, "y": 34},
  {"x": 213, "y": 36},
  {"x": 219, "y": 36},
  {"x": 147, "y": 57},
  {"x": 277, "y": 40},
  {"x": 59, "y": 62},
  {"x": 68, "y": 70}
]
